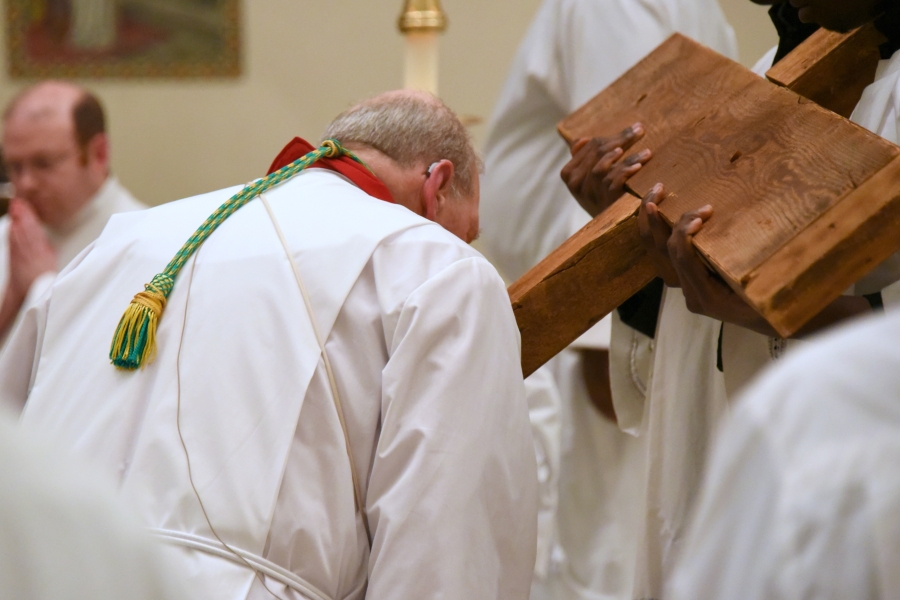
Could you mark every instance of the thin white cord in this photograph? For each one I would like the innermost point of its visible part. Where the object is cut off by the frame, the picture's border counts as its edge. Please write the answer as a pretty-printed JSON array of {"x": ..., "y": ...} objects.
[
  {"x": 331, "y": 379},
  {"x": 187, "y": 456},
  {"x": 208, "y": 546}
]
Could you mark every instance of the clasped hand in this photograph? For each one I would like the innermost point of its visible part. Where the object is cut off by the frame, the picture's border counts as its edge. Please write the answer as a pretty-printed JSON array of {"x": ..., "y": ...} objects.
[
  {"x": 596, "y": 175},
  {"x": 677, "y": 261}
]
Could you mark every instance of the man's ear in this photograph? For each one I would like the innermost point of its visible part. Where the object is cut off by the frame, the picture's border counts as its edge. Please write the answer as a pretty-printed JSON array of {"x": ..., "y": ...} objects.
[
  {"x": 437, "y": 187},
  {"x": 97, "y": 150}
]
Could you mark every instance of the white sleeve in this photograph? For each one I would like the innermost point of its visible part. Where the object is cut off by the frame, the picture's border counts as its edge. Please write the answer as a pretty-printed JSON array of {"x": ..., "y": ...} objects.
[
  {"x": 730, "y": 551},
  {"x": 599, "y": 41},
  {"x": 525, "y": 207},
  {"x": 37, "y": 290},
  {"x": 544, "y": 409},
  {"x": 452, "y": 496},
  {"x": 775, "y": 520},
  {"x": 765, "y": 62},
  {"x": 21, "y": 352}
]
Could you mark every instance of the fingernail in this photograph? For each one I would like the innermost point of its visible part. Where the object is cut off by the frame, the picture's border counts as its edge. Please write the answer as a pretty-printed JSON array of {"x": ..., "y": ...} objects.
[
  {"x": 707, "y": 207},
  {"x": 637, "y": 128},
  {"x": 645, "y": 154},
  {"x": 657, "y": 188}
]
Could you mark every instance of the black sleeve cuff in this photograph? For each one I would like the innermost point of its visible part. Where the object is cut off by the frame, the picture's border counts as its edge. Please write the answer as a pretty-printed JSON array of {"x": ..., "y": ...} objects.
[{"x": 641, "y": 311}]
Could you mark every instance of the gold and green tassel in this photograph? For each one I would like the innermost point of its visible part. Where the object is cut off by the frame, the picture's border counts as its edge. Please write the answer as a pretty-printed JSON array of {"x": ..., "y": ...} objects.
[{"x": 134, "y": 343}]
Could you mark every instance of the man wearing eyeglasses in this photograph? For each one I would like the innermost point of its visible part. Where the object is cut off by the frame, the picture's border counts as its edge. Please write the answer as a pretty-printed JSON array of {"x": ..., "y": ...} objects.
[{"x": 56, "y": 155}]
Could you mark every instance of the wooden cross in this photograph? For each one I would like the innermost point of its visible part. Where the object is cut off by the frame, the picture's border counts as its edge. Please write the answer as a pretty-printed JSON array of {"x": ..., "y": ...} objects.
[{"x": 805, "y": 201}]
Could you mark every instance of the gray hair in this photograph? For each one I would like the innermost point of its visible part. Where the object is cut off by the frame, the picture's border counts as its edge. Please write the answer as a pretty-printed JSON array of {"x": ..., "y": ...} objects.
[{"x": 411, "y": 128}]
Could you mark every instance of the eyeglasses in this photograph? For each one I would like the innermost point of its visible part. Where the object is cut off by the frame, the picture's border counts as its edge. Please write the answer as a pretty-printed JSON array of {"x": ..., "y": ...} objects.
[{"x": 41, "y": 165}]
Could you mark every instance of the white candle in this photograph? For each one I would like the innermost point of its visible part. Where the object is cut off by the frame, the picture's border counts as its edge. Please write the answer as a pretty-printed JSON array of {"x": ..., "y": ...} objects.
[{"x": 421, "y": 71}]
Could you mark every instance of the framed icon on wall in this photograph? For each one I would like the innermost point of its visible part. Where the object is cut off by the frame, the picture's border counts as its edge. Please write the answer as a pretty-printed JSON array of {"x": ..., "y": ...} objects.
[{"x": 123, "y": 38}]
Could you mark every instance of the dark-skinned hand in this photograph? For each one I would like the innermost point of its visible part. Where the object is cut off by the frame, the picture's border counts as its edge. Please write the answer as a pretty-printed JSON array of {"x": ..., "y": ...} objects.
[
  {"x": 707, "y": 294},
  {"x": 704, "y": 292},
  {"x": 655, "y": 234},
  {"x": 596, "y": 175}
]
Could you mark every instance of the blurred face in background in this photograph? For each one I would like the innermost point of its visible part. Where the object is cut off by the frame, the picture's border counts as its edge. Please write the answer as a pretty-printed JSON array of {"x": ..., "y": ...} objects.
[{"x": 46, "y": 165}]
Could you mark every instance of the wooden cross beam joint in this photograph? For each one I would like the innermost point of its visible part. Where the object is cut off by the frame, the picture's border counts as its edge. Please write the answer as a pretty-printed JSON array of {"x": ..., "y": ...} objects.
[{"x": 804, "y": 200}]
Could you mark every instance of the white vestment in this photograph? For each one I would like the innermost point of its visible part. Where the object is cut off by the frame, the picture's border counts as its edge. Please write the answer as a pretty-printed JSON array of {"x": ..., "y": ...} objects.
[
  {"x": 689, "y": 395},
  {"x": 425, "y": 354},
  {"x": 63, "y": 536},
  {"x": 802, "y": 494},
  {"x": 590, "y": 472},
  {"x": 83, "y": 229}
]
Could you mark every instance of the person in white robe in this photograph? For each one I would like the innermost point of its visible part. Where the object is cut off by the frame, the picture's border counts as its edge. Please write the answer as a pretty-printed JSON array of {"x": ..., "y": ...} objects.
[
  {"x": 745, "y": 352},
  {"x": 336, "y": 406},
  {"x": 802, "y": 494},
  {"x": 64, "y": 537},
  {"x": 56, "y": 153},
  {"x": 694, "y": 384},
  {"x": 591, "y": 473}
]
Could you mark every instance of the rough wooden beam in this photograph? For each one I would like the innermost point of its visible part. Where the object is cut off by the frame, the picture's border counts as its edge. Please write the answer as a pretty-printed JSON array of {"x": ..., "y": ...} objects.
[
  {"x": 831, "y": 69},
  {"x": 676, "y": 89},
  {"x": 769, "y": 166},
  {"x": 845, "y": 242},
  {"x": 579, "y": 283}
]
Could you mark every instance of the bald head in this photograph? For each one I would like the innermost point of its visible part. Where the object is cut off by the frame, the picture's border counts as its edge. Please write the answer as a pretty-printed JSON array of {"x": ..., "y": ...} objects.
[
  {"x": 55, "y": 149},
  {"x": 63, "y": 103}
]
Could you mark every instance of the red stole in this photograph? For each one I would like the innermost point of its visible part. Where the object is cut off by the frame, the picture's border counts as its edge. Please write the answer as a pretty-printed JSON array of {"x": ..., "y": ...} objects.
[{"x": 346, "y": 166}]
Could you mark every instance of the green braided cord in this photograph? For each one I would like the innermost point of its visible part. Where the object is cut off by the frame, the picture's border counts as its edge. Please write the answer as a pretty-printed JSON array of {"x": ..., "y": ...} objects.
[
  {"x": 245, "y": 195},
  {"x": 134, "y": 341}
]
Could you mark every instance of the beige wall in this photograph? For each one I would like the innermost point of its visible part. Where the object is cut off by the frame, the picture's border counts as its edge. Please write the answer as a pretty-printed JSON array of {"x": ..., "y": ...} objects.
[
  {"x": 304, "y": 61},
  {"x": 755, "y": 33}
]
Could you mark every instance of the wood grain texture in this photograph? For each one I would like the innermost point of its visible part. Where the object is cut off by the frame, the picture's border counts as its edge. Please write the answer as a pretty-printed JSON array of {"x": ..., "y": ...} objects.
[
  {"x": 579, "y": 283},
  {"x": 836, "y": 250},
  {"x": 768, "y": 165},
  {"x": 831, "y": 69},
  {"x": 667, "y": 91},
  {"x": 789, "y": 180}
]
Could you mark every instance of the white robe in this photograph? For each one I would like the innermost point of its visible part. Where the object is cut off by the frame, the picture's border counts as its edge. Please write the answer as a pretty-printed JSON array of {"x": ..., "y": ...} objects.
[
  {"x": 425, "y": 350},
  {"x": 590, "y": 486},
  {"x": 689, "y": 396},
  {"x": 83, "y": 229},
  {"x": 802, "y": 494},
  {"x": 63, "y": 536}
]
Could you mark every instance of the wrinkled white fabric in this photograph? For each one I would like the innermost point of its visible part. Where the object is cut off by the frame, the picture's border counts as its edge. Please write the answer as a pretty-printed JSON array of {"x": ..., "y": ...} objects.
[
  {"x": 686, "y": 400},
  {"x": 63, "y": 536},
  {"x": 84, "y": 228},
  {"x": 424, "y": 346},
  {"x": 802, "y": 494},
  {"x": 573, "y": 50}
]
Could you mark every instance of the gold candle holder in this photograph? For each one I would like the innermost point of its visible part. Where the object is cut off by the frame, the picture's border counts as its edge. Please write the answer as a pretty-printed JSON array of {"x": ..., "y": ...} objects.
[{"x": 421, "y": 22}]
